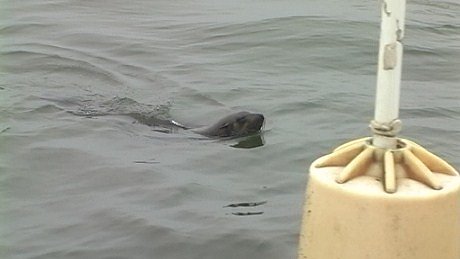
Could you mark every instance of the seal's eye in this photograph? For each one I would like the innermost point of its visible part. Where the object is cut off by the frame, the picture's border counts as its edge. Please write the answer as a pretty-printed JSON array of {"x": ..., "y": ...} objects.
[
  {"x": 224, "y": 126},
  {"x": 241, "y": 119}
]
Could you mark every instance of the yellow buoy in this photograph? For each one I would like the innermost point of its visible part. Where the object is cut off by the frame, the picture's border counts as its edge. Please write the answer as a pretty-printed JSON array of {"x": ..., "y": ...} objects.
[
  {"x": 382, "y": 197},
  {"x": 393, "y": 206}
]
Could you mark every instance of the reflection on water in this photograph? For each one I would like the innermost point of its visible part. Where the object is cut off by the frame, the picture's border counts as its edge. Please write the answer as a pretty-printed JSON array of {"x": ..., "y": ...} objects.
[
  {"x": 253, "y": 141},
  {"x": 246, "y": 205}
]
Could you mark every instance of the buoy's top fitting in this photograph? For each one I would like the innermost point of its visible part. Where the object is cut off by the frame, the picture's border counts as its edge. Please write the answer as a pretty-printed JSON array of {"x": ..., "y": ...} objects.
[
  {"x": 390, "y": 129},
  {"x": 408, "y": 160}
]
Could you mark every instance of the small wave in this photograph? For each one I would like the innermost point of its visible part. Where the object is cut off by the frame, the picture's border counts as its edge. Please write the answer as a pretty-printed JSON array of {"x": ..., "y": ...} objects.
[
  {"x": 23, "y": 28},
  {"x": 432, "y": 112},
  {"x": 35, "y": 60},
  {"x": 47, "y": 108},
  {"x": 148, "y": 114}
]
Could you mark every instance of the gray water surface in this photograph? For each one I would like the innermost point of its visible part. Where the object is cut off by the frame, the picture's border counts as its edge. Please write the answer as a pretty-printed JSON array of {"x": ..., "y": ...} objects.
[{"x": 109, "y": 186}]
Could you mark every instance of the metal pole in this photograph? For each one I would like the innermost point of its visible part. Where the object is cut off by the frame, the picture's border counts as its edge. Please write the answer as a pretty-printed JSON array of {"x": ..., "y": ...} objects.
[{"x": 386, "y": 124}]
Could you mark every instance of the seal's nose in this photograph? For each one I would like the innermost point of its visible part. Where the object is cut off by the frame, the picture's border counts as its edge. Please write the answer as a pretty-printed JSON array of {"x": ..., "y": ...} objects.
[{"x": 258, "y": 121}]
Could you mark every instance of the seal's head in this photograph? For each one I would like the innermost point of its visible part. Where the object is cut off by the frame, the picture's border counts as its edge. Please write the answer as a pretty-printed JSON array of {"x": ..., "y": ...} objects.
[{"x": 235, "y": 125}]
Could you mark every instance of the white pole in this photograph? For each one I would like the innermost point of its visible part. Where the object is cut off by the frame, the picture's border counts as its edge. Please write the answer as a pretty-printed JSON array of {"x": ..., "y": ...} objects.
[{"x": 386, "y": 123}]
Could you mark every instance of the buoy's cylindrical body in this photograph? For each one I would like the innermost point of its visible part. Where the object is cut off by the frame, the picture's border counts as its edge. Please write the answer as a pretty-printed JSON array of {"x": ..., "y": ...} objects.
[{"x": 358, "y": 220}]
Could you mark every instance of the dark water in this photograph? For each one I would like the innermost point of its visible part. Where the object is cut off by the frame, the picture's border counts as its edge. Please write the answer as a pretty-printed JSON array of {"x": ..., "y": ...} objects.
[{"x": 111, "y": 187}]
